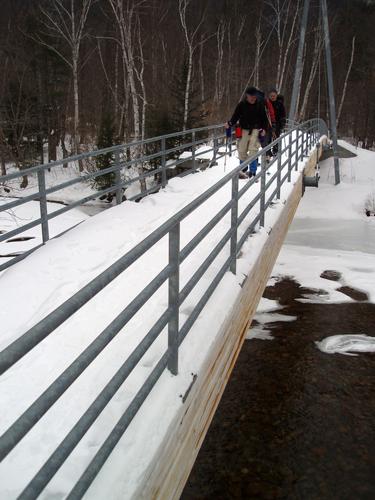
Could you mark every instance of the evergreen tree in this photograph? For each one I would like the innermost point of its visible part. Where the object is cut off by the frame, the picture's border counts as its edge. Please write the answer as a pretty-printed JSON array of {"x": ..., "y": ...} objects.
[
  {"x": 105, "y": 140},
  {"x": 196, "y": 114}
]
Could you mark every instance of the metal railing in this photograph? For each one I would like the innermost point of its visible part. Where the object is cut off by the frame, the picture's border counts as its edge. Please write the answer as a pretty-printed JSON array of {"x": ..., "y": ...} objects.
[
  {"x": 157, "y": 158},
  {"x": 293, "y": 146}
]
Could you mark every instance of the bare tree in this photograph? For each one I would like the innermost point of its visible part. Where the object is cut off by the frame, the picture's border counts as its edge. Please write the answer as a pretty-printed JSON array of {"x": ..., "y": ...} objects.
[
  {"x": 262, "y": 47},
  {"x": 113, "y": 87},
  {"x": 65, "y": 22},
  {"x": 318, "y": 45},
  {"x": 258, "y": 48},
  {"x": 127, "y": 17},
  {"x": 192, "y": 43},
  {"x": 219, "y": 84},
  {"x": 201, "y": 71},
  {"x": 346, "y": 81},
  {"x": 285, "y": 27},
  {"x": 17, "y": 116}
]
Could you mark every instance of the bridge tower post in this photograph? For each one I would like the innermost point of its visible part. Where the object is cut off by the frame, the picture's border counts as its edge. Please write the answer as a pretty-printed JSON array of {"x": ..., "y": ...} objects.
[{"x": 331, "y": 92}]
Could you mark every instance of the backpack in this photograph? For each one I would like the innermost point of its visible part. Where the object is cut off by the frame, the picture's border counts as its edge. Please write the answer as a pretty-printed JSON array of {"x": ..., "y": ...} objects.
[{"x": 261, "y": 96}]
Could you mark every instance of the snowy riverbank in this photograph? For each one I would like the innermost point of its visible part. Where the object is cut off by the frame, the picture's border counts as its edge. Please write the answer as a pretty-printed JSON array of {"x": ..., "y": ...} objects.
[{"x": 330, "y": 232}]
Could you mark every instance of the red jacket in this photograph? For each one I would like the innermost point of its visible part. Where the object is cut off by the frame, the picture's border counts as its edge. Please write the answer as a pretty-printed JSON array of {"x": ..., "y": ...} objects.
[{"x": 270, "y": 112}]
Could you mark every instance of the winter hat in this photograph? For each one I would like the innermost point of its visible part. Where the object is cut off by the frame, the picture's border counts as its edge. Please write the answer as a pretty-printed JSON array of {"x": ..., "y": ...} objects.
[
  {"x": 273, "y": 91},
  {"x": 251, "y": 91}
]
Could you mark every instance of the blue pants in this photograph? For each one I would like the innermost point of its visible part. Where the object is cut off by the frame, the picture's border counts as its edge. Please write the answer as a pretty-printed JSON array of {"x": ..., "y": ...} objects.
[{"x": 254, "y": 166}]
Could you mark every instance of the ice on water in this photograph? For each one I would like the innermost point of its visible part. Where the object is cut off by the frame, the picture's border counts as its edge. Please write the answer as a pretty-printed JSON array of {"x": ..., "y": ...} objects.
[{"x": 347, "y": 344}]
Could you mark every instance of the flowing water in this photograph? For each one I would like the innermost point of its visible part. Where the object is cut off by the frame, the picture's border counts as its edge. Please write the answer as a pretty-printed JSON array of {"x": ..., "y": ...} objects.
[{"x": 294, "y": 422}]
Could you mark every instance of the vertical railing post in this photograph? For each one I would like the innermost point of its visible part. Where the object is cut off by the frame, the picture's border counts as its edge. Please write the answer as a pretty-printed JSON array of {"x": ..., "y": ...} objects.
[
  {"x": 43, "y": 204},
  {"x": 216, "y": 147},
  {"x": 234, "y": 223},
  {"x": 193, "y": 150},
  {"x": 230, "y": 143},
  {"x": 118, "y": 177},
  {"x": 173, "y": 298},
  {"x": 279, "y": 170},
  {"x": 163, "y": 164},
  {"x": 303, "y": 144},
  {"x": 308, "y": 141},
  {"x": 262, "y": 188},
  {"x": 290, "y": 158},
  {"x": 297, "y": 150}
]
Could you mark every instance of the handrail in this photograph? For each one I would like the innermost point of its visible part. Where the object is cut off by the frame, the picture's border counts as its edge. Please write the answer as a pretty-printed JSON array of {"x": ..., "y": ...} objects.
[
  {"x": 124, "y": 156},
  {"x": 292, "y": 146},
  {"x": 99, "y": 152}
]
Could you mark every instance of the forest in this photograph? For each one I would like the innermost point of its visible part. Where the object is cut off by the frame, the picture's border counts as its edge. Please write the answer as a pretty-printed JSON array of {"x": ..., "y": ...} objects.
[{"x": 81, "y": 74}]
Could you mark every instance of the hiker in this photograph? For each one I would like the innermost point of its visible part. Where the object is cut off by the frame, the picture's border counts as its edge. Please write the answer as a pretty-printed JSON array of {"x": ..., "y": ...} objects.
[
  {"x": 252, "y": 117},
  {"x": 278, "y": 118}
]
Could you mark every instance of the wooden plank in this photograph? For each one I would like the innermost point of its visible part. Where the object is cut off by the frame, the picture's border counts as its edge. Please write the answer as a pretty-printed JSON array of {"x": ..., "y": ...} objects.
[{"x": 167, "y": 474}]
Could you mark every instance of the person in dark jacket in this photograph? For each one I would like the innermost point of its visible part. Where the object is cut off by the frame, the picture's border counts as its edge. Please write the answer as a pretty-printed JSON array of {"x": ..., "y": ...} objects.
[
  {"x": 252, "y": 117},
  {"x": 277, "y": 102}
]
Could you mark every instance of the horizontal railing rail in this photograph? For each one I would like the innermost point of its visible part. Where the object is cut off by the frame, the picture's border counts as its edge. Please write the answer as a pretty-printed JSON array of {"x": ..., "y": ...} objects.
[{"x": 246, "y": 215}]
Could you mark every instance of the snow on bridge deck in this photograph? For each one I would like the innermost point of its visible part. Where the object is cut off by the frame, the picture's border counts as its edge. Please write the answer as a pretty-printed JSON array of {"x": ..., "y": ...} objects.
[{"x": 33, "y": 288}]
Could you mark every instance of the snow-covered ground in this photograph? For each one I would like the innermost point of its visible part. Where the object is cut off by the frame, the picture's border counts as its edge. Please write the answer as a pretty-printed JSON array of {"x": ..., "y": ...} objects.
[
  {"x": 57, "y": 175},
  {"x": 23, "y": 214},
  {"x": 26, "y": 213},
  {"x": 65, "y": 265},
  {"x": 331, "y": 232}
]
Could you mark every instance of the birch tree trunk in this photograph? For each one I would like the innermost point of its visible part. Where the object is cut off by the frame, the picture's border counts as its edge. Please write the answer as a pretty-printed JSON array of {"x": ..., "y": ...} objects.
[
  {"x": 258, "y": 46},
  {"x": 191, "y": 44},
  {"x": 68, "y": 26},
  {"x": 126, "y": 22},
  {"x": 201, "y": 72},
  {"x": 285, "y": 33},
  {"x": 314, "y": 66},
  {"x": 219, "y": 91},
  {"x": 76, "y": 137},
  {"x": 187, "y": 90},
  {"x": 289, "y": 45},
  {"x": 346, "y": 81}
]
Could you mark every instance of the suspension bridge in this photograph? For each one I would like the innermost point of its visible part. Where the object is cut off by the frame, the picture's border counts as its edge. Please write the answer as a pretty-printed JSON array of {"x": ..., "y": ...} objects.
[{"x": 244, "y": 222}]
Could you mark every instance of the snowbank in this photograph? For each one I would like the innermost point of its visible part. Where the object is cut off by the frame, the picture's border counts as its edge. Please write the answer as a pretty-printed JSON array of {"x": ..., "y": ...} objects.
[
  {"x": 331, "y": 231},
  {"x": 23, "y": 214}
]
